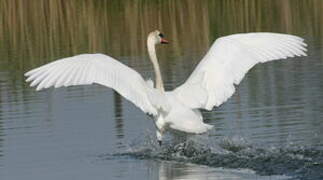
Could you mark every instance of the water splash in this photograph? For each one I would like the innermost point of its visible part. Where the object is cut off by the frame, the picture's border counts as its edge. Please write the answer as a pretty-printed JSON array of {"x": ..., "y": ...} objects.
[{"x": 235, "y": 153}]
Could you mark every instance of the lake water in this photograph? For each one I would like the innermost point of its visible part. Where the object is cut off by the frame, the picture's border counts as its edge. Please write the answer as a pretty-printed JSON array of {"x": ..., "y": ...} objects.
[{"x": 272, "y": 127}]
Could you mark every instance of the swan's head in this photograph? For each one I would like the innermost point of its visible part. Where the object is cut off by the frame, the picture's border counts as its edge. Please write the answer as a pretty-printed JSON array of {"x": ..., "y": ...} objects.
[{"x": 156, "y": 37}]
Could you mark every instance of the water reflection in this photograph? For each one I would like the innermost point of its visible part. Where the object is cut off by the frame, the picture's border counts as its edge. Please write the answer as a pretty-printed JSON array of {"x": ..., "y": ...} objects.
[
  {"x": 58, "y": 28},
  {"x": 180, "y": 171},
  {"x": 1, "y": 135},
  {"x": 118, "y": 115},
  {"x": 55, "y": 131}
]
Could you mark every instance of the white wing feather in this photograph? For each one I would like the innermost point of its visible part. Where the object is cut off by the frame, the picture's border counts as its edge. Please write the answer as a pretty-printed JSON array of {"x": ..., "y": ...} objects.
[
  {"x": 100, "y": 69},
  {"x": 228, "y": 60}
]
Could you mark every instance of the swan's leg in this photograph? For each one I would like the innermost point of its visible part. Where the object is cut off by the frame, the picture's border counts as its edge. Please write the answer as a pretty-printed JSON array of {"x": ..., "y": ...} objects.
[
  {"x": 160, "y": 125},
  {"x": 159, "y": 135}
]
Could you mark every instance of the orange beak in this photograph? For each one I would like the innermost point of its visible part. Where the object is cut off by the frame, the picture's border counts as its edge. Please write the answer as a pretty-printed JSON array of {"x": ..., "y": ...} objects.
[{"x": 164, "y": 41}]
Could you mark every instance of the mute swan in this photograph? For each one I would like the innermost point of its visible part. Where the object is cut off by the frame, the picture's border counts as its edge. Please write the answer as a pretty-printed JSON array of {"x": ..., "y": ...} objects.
[{"x": 211, "y": 83}]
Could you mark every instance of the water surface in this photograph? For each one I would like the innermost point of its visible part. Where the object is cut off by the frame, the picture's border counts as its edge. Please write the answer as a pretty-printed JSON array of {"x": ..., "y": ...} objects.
[{"x": 270, "y": 129}]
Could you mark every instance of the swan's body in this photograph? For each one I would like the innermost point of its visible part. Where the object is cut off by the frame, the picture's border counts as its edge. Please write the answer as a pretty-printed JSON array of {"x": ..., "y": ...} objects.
[{"x": 210, "y": 85}]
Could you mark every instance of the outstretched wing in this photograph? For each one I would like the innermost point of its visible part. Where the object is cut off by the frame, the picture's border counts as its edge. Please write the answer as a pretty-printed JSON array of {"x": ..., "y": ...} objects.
[
  {"x": 228, "y": 60},
  {"x": 100, "y": 69}
]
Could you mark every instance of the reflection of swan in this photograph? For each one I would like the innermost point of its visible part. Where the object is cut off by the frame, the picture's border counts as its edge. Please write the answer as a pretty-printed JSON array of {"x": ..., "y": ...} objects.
[
  {"x": 185, "y": 171},
  {"x": 211, "y": 83}
]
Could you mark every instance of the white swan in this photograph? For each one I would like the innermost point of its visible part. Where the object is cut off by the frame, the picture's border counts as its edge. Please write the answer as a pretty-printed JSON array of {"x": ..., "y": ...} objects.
[{"x": 211, "y": 83}]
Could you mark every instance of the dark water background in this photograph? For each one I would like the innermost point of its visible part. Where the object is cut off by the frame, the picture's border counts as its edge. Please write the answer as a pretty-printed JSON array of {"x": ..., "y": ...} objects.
[{"x": 272, "y": 128}]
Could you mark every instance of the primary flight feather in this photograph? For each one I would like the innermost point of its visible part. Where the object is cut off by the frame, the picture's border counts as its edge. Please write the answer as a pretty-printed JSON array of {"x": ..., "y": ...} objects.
[{"x": 211, "y": 83}]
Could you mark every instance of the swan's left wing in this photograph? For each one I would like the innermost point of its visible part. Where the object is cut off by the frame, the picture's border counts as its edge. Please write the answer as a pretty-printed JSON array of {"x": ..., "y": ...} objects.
[{"x": 228, "y": 60}]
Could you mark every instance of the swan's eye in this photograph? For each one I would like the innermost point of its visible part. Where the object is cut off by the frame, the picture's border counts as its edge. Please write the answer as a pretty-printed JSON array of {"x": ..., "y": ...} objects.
[{"x": 161, "y": 35}]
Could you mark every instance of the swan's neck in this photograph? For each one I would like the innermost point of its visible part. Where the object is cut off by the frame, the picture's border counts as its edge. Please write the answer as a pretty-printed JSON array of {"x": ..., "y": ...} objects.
[{"x": 153, "y": 58}]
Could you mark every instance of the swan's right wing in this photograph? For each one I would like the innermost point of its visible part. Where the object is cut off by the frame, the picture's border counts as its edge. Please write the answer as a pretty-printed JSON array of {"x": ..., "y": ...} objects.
[
  {"x": 100, "y": 69},
  {"x": 228, "y": 60}
]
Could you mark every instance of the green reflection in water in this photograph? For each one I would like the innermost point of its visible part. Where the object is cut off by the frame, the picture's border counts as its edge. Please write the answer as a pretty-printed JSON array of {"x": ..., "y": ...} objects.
[{"x": 36, "y": 32}]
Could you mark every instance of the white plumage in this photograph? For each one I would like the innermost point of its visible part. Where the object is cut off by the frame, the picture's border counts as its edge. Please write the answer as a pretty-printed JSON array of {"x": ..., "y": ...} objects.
[
  {"x": 228, "y": 60},
  {"x": 100, "y": 69},
  {"x": 210, "y": 85}
]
